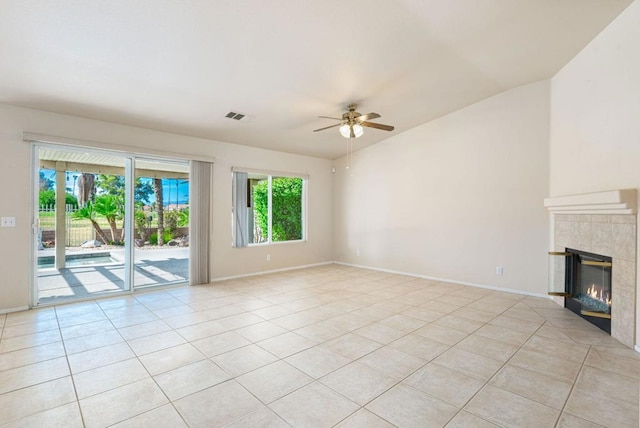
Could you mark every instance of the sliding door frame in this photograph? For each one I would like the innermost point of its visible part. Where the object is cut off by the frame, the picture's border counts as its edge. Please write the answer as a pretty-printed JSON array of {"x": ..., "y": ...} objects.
[{"x": 68, "y": 145}]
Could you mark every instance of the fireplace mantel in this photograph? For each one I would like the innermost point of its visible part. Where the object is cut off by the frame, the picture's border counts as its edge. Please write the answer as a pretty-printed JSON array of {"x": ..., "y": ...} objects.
[{"x": 611, "y": 202}]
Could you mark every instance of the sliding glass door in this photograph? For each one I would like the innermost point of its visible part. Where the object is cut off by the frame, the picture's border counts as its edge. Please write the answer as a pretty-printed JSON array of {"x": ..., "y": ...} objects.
[
  {"x": 106, "y": 222},
  {"x": 161, "y": 251}
]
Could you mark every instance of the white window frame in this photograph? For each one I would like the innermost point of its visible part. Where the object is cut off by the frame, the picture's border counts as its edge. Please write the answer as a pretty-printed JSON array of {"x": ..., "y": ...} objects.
[{"x": 277, "y": 174}]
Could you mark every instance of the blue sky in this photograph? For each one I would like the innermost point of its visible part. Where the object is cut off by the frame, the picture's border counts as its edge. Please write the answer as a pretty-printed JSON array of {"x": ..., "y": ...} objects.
[{"x": 173, "y": 190}]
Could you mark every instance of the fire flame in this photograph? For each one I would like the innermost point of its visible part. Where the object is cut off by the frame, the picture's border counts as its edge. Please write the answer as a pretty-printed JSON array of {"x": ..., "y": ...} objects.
[{"x": 596, "y": 292}]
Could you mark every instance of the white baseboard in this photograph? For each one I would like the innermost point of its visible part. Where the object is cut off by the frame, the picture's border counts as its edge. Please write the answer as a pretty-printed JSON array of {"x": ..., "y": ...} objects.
[
  {"x": 264, "y": 272},
  {"x": 453, "y": 281},
  {"x": 19, "y": 309}
]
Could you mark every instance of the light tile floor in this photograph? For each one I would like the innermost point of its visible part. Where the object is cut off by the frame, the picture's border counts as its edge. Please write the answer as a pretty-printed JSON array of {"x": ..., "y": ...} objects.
[{"x": 319, "y": 347}]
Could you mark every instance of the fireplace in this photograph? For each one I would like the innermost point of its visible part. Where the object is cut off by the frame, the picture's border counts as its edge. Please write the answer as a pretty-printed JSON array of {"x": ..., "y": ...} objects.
[
  {"x": 600, "y": 223},
  {"x": 588, "y": 291}
]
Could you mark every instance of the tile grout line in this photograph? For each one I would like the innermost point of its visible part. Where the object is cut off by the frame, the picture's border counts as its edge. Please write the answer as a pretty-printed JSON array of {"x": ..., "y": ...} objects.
[
  {"x": 382, "y": 346},
  {"x": 66, "y": 355},
  {"x": 520, "y": 348},
  {"x": 419, "y": 368},
  {"x": 498, "y": 370},
  {"x": 169, "y": 401},
  {"x": 283, "y": 290},
  {"x": 314, "y": 380},
  {"x": 566, "y": 401}
]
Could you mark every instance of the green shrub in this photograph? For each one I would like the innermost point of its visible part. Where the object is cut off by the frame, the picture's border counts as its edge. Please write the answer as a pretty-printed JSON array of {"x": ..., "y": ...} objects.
[
  {"x": 166, "y": 237},
  {"x": 171, "y": 220},
  {"x": 48, "y": 198},
  {"x": 142, "y": 223},
  {"x": 286, "y": 210},
  {"x": 183, "y": 217}
]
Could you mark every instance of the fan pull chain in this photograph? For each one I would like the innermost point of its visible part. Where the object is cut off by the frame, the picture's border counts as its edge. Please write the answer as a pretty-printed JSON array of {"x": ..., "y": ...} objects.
[{"x": 350, "y": 156}]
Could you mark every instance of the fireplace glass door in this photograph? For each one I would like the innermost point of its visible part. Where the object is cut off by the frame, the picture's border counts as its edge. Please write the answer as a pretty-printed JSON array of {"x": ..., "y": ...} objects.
[
  {"x": 589, "y": 289},
  {"x": 584, "y": 281},
  {"x": 592, "y": 284}
]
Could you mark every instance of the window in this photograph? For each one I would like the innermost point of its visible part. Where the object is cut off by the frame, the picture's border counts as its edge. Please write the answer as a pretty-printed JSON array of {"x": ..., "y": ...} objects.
[{"x": 267, "y": 208}]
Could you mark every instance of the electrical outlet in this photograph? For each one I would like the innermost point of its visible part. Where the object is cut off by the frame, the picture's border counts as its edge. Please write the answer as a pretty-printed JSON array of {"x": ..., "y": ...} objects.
[
  {"x": 268, "y": 257},
  {"x": 499, "y": 270},
  {"x": 358, "y": 253},
  {"x": 8, "y": 222}
]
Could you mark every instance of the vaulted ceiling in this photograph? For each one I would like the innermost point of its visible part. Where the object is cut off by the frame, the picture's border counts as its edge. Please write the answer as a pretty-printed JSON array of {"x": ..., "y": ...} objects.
[{"x": 182, "y": 65}]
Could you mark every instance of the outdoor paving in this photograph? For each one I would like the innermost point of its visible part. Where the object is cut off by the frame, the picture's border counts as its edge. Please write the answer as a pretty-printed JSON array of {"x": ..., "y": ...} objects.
[{"x": 151, "y": 267}]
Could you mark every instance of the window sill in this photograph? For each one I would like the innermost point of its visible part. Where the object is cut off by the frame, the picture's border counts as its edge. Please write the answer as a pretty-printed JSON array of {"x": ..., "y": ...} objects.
[{"x": 266, "y": 244}]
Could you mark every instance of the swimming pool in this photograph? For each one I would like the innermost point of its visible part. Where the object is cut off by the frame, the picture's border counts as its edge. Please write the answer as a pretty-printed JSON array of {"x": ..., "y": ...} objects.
[{"x": 76, "y": 260}]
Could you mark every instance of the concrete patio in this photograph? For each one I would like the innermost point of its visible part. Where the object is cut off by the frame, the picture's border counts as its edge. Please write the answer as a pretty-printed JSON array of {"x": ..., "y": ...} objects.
[{"x": 152, "y": 266}]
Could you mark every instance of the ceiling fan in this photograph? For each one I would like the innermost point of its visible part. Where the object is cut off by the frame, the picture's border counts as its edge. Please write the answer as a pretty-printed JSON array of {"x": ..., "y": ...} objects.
[{"x": 352, "y": 123}]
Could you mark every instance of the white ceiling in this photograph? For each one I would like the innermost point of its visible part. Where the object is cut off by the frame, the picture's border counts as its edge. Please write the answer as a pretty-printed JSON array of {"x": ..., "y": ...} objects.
[{"x": 181, "y": 65}]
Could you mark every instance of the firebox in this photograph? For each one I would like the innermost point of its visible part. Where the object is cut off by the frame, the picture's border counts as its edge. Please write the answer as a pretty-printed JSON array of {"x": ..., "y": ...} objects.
[{"x": 587, "y": 286}]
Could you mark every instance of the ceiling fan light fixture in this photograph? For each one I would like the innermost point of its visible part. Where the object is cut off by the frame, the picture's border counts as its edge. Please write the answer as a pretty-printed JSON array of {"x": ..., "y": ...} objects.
[
  {"x": 352, "y": 123},
  {"x": 345, "y": 130}
]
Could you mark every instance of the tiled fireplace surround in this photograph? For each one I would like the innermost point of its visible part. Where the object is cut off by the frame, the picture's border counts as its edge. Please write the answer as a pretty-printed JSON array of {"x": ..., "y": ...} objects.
[{"x": 604, "y": 223}]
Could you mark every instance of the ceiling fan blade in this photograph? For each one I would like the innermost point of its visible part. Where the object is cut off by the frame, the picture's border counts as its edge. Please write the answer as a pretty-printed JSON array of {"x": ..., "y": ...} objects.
[
  {"x": 377, "y": 126},
  {"x": 327, "y": 127},
  {"x": 367, "y": 116},
  {"x": 327, "y": 117}
]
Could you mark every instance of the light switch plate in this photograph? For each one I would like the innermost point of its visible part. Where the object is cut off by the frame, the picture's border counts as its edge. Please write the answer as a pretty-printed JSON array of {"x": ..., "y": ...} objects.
[{"x": 8, "y": 222}]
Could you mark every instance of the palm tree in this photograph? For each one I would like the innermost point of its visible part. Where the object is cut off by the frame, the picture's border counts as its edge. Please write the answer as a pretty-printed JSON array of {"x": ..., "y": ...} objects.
[
  {"x": 86, "y": 188},
  {"x": 157, "y": 190},
  {"x": 87, "y": 212},
  {"x": 111, "y": 208}
]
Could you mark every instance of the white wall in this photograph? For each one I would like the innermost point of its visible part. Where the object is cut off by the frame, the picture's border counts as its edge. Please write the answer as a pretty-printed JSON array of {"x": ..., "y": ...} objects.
[
  {"x": 595, "y": 113},
  {"x": 595, "y": 117},
  {"x": 15, "y": 176},
  {"x": 455, "y": 197}
]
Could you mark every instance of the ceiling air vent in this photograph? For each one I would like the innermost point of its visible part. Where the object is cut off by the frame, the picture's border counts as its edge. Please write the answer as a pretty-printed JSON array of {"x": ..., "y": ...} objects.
[{"x": 234, "y": 115}]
